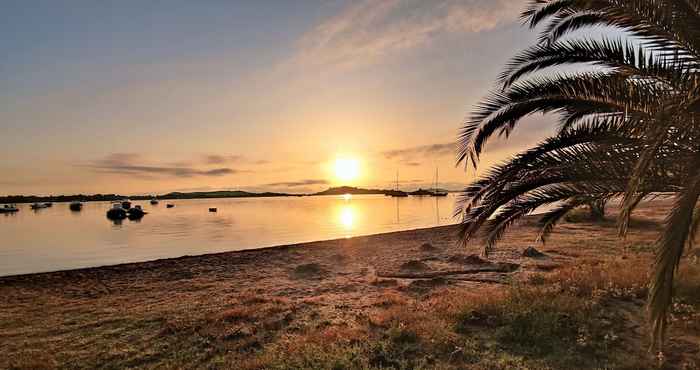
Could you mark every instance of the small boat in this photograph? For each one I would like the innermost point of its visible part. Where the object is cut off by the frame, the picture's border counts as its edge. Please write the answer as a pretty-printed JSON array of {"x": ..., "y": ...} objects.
[
  {"x": 126, "y": 204},
  {"x": 9, "y": 208},
  {"x": 169, "y": 205},
  {"x": 136, "y": 213},
  {"x": 36, "y": 206},
  {"x": 212, "y": 209},
  {"x": 154, "y": 201},
  {"x": 75, "y": 206},
  {"x": 48, "y": 204},
  {"x": 116, "y": 212}
]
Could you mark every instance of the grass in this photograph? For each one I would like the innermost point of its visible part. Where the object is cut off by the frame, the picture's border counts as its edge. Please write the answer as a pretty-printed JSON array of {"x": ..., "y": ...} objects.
[{"x": 586, "y": 316}]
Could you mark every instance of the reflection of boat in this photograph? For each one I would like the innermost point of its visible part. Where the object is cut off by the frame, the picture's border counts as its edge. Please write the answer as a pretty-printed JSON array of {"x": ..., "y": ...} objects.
[
  {"x": 8, "y": 208},
  {"x": 169, "y": 205},
  {"x": 75, "y": 206},
  {"x": 116, "y": 212},
  {"x": 154, "y": 201},
  {"x": 38, "y": 206},
  {"x": 396, "y": 193},
  {"x": 136, "y": 213}
]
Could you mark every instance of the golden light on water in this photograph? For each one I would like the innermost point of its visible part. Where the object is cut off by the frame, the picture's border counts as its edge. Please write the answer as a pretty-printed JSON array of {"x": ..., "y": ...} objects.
[
  {"x": 347, "y": 217},
  {"x": 347, "y": 169}
]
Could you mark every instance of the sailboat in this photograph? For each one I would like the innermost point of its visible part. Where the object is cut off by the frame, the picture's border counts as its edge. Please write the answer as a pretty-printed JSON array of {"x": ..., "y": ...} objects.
[
  {"x": 436, "y": 191},
  {"x": 396, "y": 193}
]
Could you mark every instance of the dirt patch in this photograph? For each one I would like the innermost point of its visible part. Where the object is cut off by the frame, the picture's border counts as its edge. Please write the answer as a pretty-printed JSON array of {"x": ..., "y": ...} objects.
[
  {"x": 309, "y": 271},
  {"x": 467, "y": 259},
  {"x": 414, "y": 266}
]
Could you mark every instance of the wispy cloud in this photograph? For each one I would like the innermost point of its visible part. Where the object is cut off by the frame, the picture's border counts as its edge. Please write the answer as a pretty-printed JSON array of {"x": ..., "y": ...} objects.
[
  {"x": 221, "y": 159},
  {"x": 296, "y": 184},
  {"x": 231, "y": 158},
  {"x": 133, "y": 164},
  {"x": 433, "y": 150},
  {"x": 369, "y": 30}
]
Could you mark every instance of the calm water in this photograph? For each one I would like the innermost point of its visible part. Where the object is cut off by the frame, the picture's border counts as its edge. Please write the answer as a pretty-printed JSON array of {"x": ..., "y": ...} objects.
[{"x": 57, "y": 239}]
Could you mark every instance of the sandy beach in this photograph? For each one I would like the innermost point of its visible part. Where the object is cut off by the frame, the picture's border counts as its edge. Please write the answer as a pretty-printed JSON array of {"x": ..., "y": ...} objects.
[{"x": 231, "y": 310}]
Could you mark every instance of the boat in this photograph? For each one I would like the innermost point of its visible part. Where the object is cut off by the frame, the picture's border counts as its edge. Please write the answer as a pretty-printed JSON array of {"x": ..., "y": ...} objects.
[
  {"x": 154, "y": 201},
  {"x": 126, "y": 204},
  {"x": 437, "y": 192},
  {"x": 36, "y": 206},
  {"x": 76, "y": 206},
  {"x": 169, "y": 205},
  {"x": 136, "y": 213},
  {"x": 48, "y": 204},
  {"x": 117, "y": 212},
  {"x": 396, "y": 193},
  {"x": 9, "y": 208},
  {"x": 212, "y": 210}
]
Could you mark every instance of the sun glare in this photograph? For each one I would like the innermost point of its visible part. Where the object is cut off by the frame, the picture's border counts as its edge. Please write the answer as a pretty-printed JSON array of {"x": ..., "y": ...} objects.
[{"x": 347, "y": 169}]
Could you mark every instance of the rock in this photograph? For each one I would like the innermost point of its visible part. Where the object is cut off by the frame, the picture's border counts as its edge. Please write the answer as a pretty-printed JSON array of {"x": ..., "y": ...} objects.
[
  {"x": 427, "y": 247},
  {"x": 532, "y": 253},
  {"x": 414, "y": 266}
]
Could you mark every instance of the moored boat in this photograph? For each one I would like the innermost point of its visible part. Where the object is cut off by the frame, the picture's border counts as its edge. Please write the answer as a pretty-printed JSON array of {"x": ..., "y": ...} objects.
[
  {"x": 212, "y": 209},
  {"x": 154, "y": 201},
  {"x": 169, "y": 205},
  {"x": 9, "y": 208},
  {"x": 36, "y": 206},
  {"x": 76, "y": 206},
  {"x": 126, "y": 204},
  {"x": 136, "y": 213},
  {"x": 117, "y": 212}
]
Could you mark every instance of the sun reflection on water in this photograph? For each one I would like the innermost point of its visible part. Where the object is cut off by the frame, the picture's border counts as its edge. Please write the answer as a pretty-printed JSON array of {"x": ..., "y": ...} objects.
[{"x": 347, "y": 217}]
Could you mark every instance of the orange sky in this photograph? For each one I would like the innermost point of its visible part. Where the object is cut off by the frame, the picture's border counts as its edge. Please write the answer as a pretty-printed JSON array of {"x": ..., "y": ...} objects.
[{"x": 136, "y": 98}]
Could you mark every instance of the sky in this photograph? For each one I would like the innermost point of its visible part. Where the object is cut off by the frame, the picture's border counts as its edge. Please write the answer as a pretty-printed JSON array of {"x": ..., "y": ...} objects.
[{"x": 138, "y": 97}]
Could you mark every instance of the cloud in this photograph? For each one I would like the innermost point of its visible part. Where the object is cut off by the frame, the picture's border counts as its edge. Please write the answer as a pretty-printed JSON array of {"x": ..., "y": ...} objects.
[
  {"x": 132, "y": 164},
  {"x": 433, "y": 150},
  {"x": 369, "y": 30},
  {"x": 295, "y": 184},
  {"x": 221, "y": 159}
]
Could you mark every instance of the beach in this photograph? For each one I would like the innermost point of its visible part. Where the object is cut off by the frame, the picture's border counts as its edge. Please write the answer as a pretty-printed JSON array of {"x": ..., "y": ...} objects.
[{"x": 264, "y": 308}]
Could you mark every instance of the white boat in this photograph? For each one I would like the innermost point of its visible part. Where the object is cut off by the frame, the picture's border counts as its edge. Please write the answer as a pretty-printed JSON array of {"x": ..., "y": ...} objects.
[
  {"x": 39, "y": 206},
  {"x": 9, "y": 208}
]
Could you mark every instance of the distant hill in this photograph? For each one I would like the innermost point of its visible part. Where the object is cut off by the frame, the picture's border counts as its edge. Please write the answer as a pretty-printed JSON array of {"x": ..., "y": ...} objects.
[
  {"x": 217, "y": 194},
  {"x": 353, "y": 190},
  {"x": 341, "y": 190},
  {"x": 115, "y": 197}
]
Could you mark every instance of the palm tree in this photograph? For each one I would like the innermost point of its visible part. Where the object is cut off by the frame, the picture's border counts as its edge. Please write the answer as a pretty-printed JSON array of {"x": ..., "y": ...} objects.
[{"x": 633, "y": 102}]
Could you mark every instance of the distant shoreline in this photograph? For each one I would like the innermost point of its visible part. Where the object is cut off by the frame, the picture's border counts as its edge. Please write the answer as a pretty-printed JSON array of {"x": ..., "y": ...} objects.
[{"x": 19, "y": 199}]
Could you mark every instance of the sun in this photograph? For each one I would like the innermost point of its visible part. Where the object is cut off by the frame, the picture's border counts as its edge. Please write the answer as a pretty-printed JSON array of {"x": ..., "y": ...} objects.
[{"x": 347, "y": 169}]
